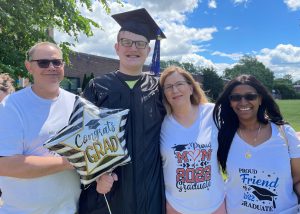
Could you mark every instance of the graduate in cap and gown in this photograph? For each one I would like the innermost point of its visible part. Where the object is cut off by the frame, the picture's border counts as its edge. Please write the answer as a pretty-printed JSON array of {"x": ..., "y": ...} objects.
[{"x": 135, "y": 188}]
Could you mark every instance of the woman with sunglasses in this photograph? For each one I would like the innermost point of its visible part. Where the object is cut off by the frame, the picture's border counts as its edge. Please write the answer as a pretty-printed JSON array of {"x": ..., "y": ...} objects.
[
  {"x": 259, "y": 152},
  {"x": 193, "y": 183}
]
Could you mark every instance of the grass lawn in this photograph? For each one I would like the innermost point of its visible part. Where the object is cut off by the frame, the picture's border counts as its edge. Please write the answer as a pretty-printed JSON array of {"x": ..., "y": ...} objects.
[{"x": 291, "y": 112}]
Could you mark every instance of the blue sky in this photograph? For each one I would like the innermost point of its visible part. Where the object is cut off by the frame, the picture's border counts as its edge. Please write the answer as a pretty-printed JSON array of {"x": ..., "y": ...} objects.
[{"x": 214, "y": 33}]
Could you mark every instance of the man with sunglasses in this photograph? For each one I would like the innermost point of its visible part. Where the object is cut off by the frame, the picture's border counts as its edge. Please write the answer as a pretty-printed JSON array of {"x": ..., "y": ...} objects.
[
  {"x": 136, "y": 188},
  {"x": 33, "y": 179}
]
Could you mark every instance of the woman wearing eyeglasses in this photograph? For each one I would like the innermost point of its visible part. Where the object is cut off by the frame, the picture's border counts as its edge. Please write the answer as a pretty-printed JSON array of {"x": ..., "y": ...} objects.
[
  {"x": 257, "y": 150},
  {"x": 193, "y": 184}
]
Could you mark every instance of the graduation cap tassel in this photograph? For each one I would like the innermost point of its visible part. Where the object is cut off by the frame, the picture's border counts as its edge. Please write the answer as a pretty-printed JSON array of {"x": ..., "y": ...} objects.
[{"x": 155, "y": 65}]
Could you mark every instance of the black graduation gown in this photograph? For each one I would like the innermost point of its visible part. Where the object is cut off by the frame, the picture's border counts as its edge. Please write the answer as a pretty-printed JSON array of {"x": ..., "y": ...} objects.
[{"x": 140, "y": 188}]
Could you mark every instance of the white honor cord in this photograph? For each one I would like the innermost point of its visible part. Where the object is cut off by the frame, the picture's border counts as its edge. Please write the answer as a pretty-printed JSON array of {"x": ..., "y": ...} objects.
[{"x": 107, "y": 204}]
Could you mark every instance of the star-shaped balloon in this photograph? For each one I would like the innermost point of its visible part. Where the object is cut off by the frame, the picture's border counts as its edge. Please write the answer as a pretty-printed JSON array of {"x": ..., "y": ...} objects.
[{"x": 93, "y": 141}]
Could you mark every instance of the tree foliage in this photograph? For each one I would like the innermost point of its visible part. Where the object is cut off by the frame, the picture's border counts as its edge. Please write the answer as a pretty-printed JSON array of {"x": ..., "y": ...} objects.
[
  {"x": 212, "y": 83},
  {"x": 23, "y": 23},
  {"x": 190, "y": 67},
  {"x": 84, "y": 82},
  {"x": 250, "y": 65},
  {"x": 285, "y": 87}
]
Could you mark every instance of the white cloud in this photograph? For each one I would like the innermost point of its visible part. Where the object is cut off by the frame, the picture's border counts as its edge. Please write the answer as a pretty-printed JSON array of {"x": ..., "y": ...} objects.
[
  {"x": 103, "y": 40},
  {"x": 292, "y": 4},
  {"x": 238, "y": 2},
  {"x": 183, "y": 43},
  {"x": 166, "y": 5},
  {"x": 220, "y": 67},
  {"x": 233, "y": 56},
  {"x": 283, "y": 59},
  {"x": 228, "y": 28},
  {"x": 212, "y": 4},
  {"x": 180, "y": 40},
  {"x": 196, "y": 60}
]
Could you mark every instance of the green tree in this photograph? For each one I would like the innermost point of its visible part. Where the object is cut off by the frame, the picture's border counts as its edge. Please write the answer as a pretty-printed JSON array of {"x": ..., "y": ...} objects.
[
  {"x": 165, "y": 64},
  {"x": 23, "y": 23},
  {"x": 190, "y": 67},
  {"x": 212, "y": 84},
  {"x": 288, "y": 78},
  {"x": 92, "y": 76},
  {"x": 285, "y": 86},
  {"x": 84, "y": 82},
  {"x": 250, "y": 65}
]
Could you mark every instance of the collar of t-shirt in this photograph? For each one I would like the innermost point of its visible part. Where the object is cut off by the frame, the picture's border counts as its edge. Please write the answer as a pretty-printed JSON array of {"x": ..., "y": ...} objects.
[{"x": 129, "y": 79}]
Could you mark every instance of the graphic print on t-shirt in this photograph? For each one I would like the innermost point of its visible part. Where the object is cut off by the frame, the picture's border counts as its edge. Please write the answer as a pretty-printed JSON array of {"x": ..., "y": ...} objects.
[
  {"x": 259, "y": 189},
  {"x": 193, "y": 166}
]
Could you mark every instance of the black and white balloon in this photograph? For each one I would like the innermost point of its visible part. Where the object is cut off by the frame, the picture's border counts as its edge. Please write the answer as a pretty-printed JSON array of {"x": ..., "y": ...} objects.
[{"x": 93, "y": 141}]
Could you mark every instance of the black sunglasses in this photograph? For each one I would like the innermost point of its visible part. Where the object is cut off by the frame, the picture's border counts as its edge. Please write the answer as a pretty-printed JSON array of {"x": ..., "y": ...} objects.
[
  {"x": 238, "y": 97},
  {"x": 44, "y": 63}
]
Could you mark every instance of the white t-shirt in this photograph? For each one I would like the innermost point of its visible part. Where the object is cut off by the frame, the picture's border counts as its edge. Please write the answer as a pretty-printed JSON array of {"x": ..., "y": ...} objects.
[
  {"x": 27, "y": 121},
  {"x": 193, "y": 182},
  {"x": 263, "y": 182}
]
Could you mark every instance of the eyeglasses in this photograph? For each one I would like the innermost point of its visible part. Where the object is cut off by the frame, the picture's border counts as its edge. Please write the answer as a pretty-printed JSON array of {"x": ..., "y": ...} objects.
[
  {"x": 178, "y": 85},
  {"x": 128, "y": 43},
  {"x": 238, "y": 97},
  {"x": 44, "y": 63}
]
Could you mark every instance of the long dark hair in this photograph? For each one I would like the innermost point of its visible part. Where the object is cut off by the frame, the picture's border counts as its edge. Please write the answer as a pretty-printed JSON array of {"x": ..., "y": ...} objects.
[{"x": 227, "y": 121}]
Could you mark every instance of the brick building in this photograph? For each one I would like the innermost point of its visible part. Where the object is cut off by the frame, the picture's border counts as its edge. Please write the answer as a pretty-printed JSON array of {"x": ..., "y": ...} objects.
[{"x": 85, "y": 64}]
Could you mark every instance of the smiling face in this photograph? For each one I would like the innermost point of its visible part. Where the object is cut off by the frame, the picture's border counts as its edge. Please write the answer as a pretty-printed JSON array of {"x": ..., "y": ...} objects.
[
  {"x": 132, "y": 59},
  {"x": 245, "y": 109},
  {"x": 46, "y": 80},
  {"x": 177, "y": 91}
]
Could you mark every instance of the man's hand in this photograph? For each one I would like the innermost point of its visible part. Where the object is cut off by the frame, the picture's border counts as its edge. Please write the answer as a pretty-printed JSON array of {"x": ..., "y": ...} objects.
[
  {"x": 105, "y": 182},
  {"x": 21, "y": 166}
]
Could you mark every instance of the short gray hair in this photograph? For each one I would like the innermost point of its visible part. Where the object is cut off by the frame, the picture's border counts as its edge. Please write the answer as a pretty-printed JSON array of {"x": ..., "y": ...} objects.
[{"x": 31, "y": 51}]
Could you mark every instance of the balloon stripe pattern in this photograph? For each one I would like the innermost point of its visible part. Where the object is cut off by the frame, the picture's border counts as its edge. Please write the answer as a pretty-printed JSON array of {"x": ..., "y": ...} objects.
[{"x": 93, "y": 141}]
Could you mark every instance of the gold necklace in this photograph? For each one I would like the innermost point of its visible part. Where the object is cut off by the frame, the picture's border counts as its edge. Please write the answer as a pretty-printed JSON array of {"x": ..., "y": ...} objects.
[{"x": 248, "y": 153}]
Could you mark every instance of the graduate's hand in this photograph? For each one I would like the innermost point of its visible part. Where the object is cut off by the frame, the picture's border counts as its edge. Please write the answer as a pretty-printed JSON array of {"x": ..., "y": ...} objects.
[{"x": 105, "y": 182}]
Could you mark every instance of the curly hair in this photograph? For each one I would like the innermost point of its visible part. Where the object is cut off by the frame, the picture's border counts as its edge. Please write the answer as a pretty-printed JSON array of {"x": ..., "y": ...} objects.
[
  {"x": 227, "y": 121},
  {"x": 6, "y": 83},
  {"x": 198, "y": 96}
]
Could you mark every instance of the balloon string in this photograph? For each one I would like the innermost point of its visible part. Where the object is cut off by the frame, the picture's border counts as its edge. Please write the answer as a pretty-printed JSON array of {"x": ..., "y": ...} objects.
[{"x": 107, "y": 204}]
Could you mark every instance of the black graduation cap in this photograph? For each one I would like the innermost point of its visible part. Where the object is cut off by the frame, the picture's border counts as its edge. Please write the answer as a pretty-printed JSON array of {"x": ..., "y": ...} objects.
[
  {"x": 93, "y": 124},
  {"x": 140, "y": 22},
  {"x": 264, "y": 194},
  {"x": 179, "y": 148}
]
